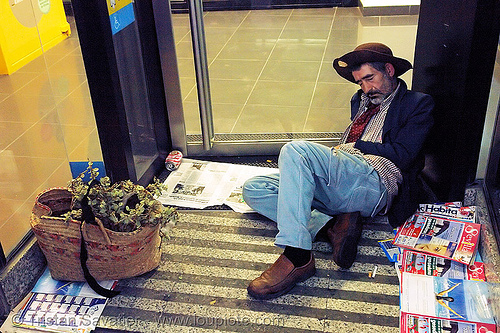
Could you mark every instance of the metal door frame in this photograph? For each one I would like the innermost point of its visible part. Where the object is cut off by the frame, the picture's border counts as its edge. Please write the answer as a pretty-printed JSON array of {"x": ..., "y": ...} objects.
[{"x": 210, "y": 143}]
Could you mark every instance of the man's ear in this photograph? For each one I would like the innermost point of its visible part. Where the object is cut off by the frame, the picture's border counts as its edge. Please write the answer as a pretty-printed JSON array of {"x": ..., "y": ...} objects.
[{"x": 389, "y": 68}]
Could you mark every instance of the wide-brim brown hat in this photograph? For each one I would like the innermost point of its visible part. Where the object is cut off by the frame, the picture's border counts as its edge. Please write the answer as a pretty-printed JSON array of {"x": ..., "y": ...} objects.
[{"x": 369, "y": 52}]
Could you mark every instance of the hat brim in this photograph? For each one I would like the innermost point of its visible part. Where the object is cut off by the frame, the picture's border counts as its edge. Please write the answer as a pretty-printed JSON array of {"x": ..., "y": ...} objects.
[{"x": 344, "y": 64}]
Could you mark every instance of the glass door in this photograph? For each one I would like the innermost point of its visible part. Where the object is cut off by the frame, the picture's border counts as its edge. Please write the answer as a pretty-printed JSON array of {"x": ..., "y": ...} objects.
[{"x": 270, "y": 74}]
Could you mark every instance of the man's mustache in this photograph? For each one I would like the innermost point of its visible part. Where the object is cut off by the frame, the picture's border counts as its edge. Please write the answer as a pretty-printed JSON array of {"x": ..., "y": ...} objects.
[{"x": 373, "y": 93}]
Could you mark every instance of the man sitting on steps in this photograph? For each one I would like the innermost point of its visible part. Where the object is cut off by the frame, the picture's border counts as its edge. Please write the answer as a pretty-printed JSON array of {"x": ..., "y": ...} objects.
[{"x": 372, "y": 171}]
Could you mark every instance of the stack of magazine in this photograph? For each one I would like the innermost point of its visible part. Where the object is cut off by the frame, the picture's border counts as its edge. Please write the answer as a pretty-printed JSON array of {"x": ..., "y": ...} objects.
[{"x": 443, "y": 285}]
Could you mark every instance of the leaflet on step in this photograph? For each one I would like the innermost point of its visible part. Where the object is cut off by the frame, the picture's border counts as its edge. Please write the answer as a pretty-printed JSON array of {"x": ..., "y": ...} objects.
[{"x": 414, "y": 323}]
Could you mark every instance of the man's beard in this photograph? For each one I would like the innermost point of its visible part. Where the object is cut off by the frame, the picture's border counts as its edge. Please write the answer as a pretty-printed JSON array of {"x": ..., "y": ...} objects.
[{"x": 376, "y": 97}]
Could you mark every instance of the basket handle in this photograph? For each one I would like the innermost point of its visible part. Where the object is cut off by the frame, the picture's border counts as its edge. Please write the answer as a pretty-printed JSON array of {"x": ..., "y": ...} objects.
[
  {"x": 103, "y": 230},
  {"x": 88, "y": 216},
  {"x": 109, "y": 293}
]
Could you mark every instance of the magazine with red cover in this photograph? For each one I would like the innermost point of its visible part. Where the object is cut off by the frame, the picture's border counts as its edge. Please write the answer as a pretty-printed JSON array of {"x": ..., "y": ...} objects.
[
  {"x": 425, "y": 264},
  {"x": 441, "y": 237},
  {"x": 413, "y": 323}
]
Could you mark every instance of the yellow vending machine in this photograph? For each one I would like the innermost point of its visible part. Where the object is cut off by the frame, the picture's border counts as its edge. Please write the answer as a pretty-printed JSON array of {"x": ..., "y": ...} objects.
[{"x": 27, "y": 29}]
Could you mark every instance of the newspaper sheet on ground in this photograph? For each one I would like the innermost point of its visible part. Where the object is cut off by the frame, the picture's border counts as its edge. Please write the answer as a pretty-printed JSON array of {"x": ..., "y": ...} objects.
[{"x": 200, "y": 184}]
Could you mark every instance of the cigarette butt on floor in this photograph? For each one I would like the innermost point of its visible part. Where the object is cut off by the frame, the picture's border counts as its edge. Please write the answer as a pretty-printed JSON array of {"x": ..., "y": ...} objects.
[{"x": 373, "y": 273}]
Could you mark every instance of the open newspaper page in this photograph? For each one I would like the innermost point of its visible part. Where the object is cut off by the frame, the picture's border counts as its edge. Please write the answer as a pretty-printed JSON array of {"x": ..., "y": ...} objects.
[
  {"x": 447, "y": 298},
  {"x": 195, "y": 184},
  {"x": 199, "y": 184},
  {"x": 442, "y": 237}
]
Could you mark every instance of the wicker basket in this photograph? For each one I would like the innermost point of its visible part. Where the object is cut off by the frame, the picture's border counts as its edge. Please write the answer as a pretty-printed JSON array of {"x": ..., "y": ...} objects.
[{"x": 111, "y": 255}]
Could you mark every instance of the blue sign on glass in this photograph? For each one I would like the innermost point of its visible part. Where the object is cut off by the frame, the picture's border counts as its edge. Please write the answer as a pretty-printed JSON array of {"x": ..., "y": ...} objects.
[{"x": 122, "y": 18}]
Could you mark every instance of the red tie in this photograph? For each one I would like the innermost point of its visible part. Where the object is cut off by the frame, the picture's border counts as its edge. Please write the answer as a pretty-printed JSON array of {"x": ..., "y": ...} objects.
[{"x": 359, "y": 124}]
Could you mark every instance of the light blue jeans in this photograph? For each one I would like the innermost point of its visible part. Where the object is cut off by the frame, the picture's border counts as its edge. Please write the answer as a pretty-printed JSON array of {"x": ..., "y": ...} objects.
[{"x": 313, "y": 184}]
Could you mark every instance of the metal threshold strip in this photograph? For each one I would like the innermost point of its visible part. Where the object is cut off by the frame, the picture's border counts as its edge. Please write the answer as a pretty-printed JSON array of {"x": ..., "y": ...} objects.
[
  {"x": 261, "y": 137},
  {"x": 255, "y": 143}
]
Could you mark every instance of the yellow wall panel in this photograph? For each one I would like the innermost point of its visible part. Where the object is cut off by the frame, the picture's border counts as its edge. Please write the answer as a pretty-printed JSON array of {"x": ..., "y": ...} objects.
[{"x": 28, "y": 28}]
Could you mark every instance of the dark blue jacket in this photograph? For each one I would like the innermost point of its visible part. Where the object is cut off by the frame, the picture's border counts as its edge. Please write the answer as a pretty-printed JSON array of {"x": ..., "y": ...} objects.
[{"x": 407, "y": 124}]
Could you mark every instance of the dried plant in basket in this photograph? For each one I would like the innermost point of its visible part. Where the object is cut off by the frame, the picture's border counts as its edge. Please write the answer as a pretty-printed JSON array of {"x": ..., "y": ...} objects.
[{"x": 122, "y": 206}]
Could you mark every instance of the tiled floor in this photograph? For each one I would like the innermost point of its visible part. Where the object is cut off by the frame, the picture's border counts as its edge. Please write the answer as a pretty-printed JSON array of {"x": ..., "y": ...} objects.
[{"x": 271, "y": 70}]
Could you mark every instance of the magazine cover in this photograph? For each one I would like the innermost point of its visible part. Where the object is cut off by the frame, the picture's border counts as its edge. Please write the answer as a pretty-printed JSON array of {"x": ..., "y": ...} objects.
[
  {"x": 446, "y": 298},
  {"x": 390, "y": 250},
  {"x": 412, "y": 323},
  {"x": 60, "y": 313},
  {"x": 453, "y": 210},
  {"x": 425, "y": 264},
  {"x": 46, "y": 284},
  {"x": 441, "y": 237},
  {"x": 62, "y": 306}
]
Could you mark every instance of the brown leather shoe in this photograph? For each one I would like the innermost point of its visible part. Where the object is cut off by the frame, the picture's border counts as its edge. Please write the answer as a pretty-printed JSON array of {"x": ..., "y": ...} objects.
[
  {"x": 344, "y": 236},
  {"x": 280, "y": 278}
]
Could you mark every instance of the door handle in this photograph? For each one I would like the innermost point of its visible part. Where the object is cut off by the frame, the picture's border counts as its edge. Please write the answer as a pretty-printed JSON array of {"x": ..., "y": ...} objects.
[{"x": 201, "y": 69}]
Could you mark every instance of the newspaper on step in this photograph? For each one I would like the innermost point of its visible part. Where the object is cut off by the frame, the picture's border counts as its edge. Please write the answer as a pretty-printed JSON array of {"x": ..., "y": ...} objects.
[{"x": 200, "y": 184}]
